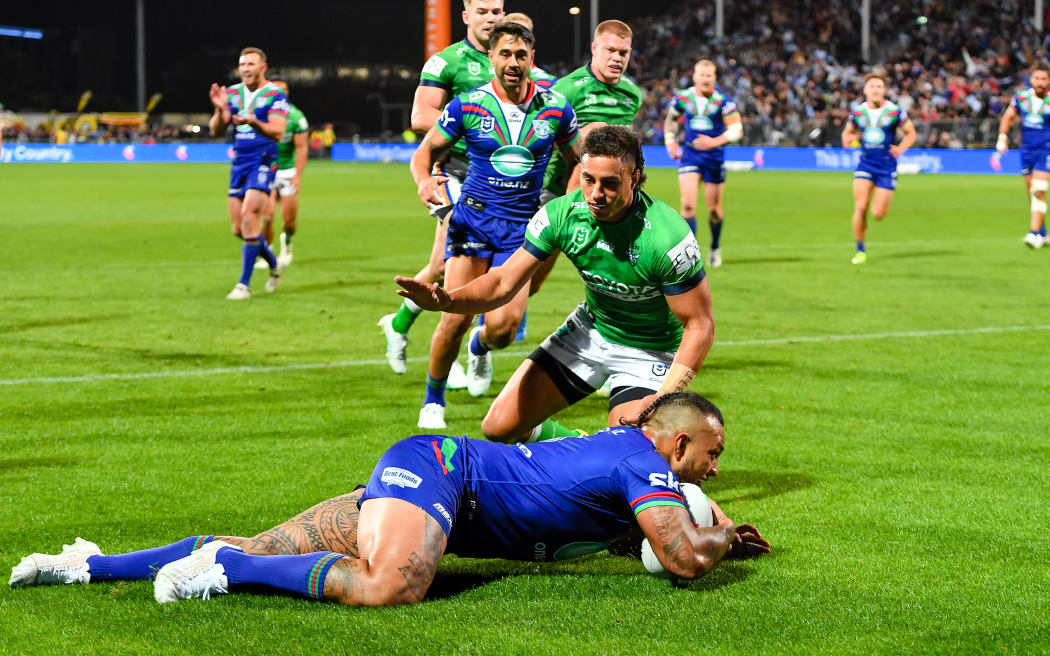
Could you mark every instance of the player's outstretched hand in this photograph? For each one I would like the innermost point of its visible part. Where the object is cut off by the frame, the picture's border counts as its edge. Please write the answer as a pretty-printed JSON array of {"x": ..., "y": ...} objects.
[
  {"x": 428, "y": 190},
  {"x": 218, "y": 96},
  {"x": 895, "y": 150},
  {"x": 674, "y": 150},
  {"x": 747, "y": 543},
  {"x": 429, "y": 296}
]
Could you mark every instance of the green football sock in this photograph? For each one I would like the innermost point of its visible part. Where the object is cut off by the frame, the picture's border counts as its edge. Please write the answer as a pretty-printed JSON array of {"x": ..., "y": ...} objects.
[
  {"x": 405, "y": 316},
  {"x": 551, "y": 429}
]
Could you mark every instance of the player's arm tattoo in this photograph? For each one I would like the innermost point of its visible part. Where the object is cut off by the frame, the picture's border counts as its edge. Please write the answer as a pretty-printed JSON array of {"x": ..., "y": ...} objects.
[
  {"x": 420, "y": 569},
  {"x": 677, "y": 546}
]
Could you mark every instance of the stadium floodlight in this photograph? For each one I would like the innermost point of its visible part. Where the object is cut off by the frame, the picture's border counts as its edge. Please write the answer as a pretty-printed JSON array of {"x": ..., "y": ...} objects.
[
  {"x": 21, "y": 32},
  {"x": 575, "y": 11}
]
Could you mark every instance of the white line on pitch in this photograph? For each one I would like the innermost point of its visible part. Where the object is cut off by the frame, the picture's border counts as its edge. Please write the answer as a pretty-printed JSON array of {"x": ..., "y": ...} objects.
[{"x": 187, "y": 373}]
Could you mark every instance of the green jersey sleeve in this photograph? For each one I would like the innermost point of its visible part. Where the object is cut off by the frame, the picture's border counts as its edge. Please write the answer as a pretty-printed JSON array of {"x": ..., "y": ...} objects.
[
  {"x": 437, "y": 73},
  {"x": 540, "y": 236},
  {"x": 679, "y": 266}
]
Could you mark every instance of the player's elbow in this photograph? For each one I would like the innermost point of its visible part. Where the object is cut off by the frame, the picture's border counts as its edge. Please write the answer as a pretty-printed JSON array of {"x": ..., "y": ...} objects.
[{"x": 419, "y": 122}]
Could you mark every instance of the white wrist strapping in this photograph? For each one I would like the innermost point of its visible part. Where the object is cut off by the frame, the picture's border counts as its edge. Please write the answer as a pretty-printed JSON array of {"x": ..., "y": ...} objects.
[
  {"x": 734, "y": 132},
  {"x": 1002, "y": 143}
]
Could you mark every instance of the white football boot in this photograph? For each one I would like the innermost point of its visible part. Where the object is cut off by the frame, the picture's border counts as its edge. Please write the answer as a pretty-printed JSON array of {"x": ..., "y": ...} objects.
[
  {"x": 479, "y": 368},
  {"x": 431, "y": 415},
  {"x": 260, "y": 263},
  {"x": 714, "y": 258},
  {"x": 395, "y": 344},
  {"x": 273, "y": 282},
  {"x": 1034, "y": 240},
  {"x": 240, "y": 292},
  {"x": 285, "y": 258},
  {"x": 457, "y": 377},
  {"x": 196, "y": 575},
  {"x": 70, "y": 566}
]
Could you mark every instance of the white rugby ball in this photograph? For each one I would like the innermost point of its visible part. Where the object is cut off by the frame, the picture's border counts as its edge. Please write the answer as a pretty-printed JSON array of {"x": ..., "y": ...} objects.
[{"x": 699, "y": 511}]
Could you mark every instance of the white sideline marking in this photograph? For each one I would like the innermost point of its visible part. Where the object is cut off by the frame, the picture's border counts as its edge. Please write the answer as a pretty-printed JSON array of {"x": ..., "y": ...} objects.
[{"x": 187, "y": 373}]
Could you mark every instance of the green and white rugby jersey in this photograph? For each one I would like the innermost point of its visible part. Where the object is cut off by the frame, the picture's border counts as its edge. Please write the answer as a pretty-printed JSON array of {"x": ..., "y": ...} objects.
[
  {"x": 615, "y": 104},
  {"x": 627, "y": 267},
  {"x": 286, "y": 146},
  {"x": 457, "y": 69}
]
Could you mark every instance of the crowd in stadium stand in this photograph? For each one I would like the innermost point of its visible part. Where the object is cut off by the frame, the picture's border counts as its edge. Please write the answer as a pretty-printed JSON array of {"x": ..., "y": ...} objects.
[{"x": 793, "y": 67}]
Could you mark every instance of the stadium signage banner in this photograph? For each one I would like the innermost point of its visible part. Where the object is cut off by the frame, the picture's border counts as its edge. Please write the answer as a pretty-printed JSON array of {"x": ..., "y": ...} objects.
[
  {"x": 917, "y": 160},
  {"x": 101, "y": 153}
]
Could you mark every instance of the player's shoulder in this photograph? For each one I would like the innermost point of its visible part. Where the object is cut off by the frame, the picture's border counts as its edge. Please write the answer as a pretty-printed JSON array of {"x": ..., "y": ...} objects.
[
  {"x": 573, "y": 81},
  {"x": 628, "y": 84},
  {"x": 663, "y": 225},
  {"x": 441, "y": 60},
  {"x": 620, "y": 443},
  {"x": 552, "y": 97},
  {"x": 723, "y": 94}
]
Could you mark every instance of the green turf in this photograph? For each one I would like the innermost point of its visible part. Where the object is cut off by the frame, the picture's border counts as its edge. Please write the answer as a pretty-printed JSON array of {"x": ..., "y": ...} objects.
[{"x": 903, "y": 480}]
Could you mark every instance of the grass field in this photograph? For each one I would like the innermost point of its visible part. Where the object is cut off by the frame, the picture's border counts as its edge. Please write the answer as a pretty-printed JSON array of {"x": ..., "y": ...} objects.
[{"x": 887, "y": 424}]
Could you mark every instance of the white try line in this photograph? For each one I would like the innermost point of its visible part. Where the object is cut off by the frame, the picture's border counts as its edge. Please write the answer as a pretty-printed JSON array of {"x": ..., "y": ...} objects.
[{"x": 803, "y": 339}]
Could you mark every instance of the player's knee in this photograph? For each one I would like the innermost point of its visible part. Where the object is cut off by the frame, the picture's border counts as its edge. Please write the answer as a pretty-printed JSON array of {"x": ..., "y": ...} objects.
[
  {"x": 500, "y": 333},
  {"x": 715, "y": 215},
  {"x": 497, "y": 427},
  {"x": 688, "y": 209},
  {"x": 454, "y": 325},
  {"x": 389, "y": 588}
]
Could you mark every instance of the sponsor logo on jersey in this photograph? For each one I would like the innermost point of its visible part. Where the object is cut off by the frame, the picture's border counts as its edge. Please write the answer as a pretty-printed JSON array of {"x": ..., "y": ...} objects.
[
  {"x": 281, "y": 105},
  {"x": 620, "y": 290},
  {"x": 526, "y": 450},
  {"x": 400, "y": 477},
  {"x": 476, "y": 95},
  {"x": 446, "y": 119},
  {"x": 873, "y": 136},
  {"x": 444, "y": 513},
  {"x": 604, "y": 245},
  {"x": 512, "y": 161},
  {"x": 539, "y": 551},
  {"x": 542, "y": 128},
  {"x": 685, "y": 254},
  {"x": 700, "y": 123},
  {"x": 1033, "y": 121},
  {"x": 474, "y": 68},
  {"x": 591, "y": 99},
  {"x": 660, "y": 369},
  {"x": 633, "y": 253},
  {"x": 664, "y": 480},
  {"x": 487, "y": 123}
]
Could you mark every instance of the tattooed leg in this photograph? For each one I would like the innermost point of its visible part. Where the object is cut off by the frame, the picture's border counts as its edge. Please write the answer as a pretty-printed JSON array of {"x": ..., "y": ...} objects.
[
  {"x": 329, "y": 526},
  {"x": 400, "y": 548}
]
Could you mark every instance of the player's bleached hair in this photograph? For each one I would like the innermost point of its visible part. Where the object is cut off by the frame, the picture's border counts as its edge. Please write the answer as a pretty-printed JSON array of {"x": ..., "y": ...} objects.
[
  {"x": 516, "y": 30},
  {"x": 467, "y": 3},
  {"x": 520, "y": 19},
  {"x": 617, "y": 141},
  {"x": 250, "y": 50},
  {"x": 678, "y": 400},
  {"x": 619, "y": 28},
  {"x": 705, "y": 62}
]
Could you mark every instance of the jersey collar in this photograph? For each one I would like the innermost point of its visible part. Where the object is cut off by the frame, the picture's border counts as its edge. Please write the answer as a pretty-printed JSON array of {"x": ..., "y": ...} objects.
[
  {"x": 591, "y": 73},
  {"x": 471, "y": 46},
  {"x": 524, "y": 103}
]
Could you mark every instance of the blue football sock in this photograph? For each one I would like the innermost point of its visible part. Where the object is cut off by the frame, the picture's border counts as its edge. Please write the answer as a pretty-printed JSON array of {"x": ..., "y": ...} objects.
[
  {"x": 478, "y": 347},
  {"x": 716, "y": 233},
  {"x": 691, "y": 220},
  {"x": 1042, "y": 231},
  {"x": 303, "y": 574},
  {"x": 266, "y": 253},
  {"x": 435, "y": 390},
  {"x": 142, "y": 564},
  {"x": 860, "y": 245},
  {"x": 249, "y": 252}
]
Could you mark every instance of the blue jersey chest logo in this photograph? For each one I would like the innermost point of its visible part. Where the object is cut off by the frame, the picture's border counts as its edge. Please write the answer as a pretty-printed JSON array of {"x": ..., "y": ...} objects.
[
  {"x": 873, "y": 136},
  {"x": 512, "y": 161}
]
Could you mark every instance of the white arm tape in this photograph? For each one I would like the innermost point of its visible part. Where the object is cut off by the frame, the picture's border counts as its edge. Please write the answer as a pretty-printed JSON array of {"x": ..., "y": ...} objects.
[
  {"x": 1002, "y": 143},
  {"x": 734, "y": 132}
]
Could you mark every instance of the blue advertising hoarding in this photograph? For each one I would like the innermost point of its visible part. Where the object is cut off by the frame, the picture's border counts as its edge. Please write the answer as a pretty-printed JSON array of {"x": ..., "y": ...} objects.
[
  {"x": 101, "y": 153},
  {"x": 917, "y": 160}
]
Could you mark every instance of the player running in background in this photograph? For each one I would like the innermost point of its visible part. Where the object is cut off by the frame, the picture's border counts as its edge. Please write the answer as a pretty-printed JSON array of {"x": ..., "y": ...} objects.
[
  {"x": 1032, "y": 106},
  {"x": 875, "y": 122},
  {"x": 430, "y": 495},
  {"x": 711, "y": 121},
  {"x": 510, "y": 128},
  {"x": 259, "y": 110},
  {"x": 458, "y": 68},
  {"x": 542, "y": 78},
  {"x": 292, "y": 153},
  {"x": 646, "y": 325}
]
